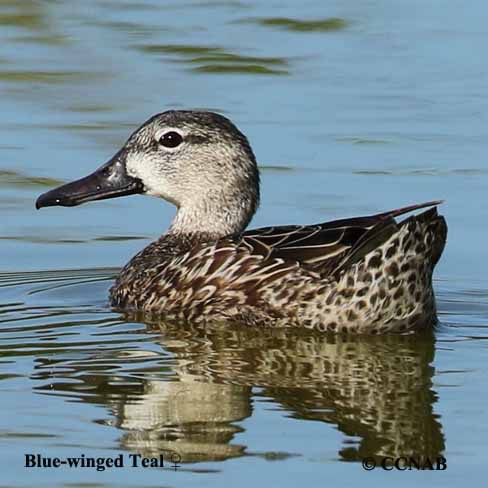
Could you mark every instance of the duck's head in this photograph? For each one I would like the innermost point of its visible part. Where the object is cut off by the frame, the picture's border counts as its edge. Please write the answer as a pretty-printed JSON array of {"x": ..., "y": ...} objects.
[{"x": 198, "y": 161}]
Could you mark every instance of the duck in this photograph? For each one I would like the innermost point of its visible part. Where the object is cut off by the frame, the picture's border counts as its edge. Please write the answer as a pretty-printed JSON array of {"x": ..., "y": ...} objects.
[{"x": 369, "y": 274}]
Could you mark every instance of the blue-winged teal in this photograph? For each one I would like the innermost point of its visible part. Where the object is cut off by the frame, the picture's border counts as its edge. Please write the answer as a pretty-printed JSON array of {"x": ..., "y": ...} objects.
[{"x": 365, "y": 274}]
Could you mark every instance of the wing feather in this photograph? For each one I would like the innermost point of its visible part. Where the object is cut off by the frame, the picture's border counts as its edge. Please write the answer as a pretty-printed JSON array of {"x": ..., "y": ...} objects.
[{"x": 326, "y": 247}]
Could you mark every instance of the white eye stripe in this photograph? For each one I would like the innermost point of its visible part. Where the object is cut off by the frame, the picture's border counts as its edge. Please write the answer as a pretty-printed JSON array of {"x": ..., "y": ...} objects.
[{"x": 160, "y": 133}]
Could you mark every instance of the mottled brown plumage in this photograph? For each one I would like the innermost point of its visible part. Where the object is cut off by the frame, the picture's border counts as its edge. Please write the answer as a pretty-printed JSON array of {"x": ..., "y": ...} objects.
[{"x": 367, "y": 274}]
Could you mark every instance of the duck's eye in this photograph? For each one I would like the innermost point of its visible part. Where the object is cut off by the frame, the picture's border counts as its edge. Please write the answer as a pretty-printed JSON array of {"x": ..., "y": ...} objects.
[{"x": 170, "y": 139}]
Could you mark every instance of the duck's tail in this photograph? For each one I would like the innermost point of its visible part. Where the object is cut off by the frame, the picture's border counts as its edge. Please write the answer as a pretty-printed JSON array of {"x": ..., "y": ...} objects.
[{"x": 430, "y": 233}]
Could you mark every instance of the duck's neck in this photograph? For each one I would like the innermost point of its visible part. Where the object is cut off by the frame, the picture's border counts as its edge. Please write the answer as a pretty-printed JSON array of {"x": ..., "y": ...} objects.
[{"x": 214, "y": 218}]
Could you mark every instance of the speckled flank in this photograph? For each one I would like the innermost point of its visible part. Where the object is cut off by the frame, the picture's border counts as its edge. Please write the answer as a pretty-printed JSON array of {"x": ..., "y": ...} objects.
[{"x": 389, "y": 290}]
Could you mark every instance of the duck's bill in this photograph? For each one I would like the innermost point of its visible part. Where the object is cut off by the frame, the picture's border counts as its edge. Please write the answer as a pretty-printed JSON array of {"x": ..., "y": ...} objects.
[{"x": 109, "y": 181}]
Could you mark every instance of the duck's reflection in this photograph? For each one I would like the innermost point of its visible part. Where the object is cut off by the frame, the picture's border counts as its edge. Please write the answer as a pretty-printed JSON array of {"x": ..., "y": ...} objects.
[
  {"x": 192, "y": 419},
  {"x": 377, "y": 390}
]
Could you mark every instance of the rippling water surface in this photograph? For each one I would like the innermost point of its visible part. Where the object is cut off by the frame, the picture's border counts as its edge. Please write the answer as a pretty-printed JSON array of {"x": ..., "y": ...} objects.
[{"x": 351, "y": 107}]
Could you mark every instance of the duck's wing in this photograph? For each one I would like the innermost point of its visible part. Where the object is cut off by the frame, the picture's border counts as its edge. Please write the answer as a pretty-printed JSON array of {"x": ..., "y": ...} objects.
[{"x": 324, "y": 247}]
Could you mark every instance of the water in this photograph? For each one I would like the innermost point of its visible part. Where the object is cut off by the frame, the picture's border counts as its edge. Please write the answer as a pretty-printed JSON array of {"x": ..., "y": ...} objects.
[{"x": 351, "y": 107}]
